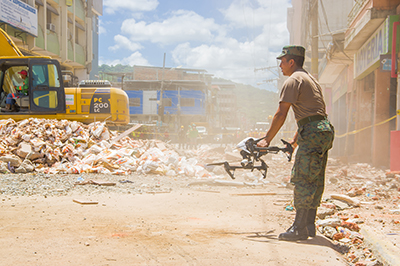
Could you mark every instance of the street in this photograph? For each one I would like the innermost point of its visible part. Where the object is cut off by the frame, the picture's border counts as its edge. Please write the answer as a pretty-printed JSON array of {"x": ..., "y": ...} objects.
[{"x": 191, "y": 224}]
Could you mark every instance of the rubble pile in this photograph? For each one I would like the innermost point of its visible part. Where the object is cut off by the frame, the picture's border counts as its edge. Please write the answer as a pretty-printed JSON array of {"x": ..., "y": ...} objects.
[
  {"x": 70, "y": 147},
  {"x": 367, "y": 196},
  {"x": 344, "y": 230}
]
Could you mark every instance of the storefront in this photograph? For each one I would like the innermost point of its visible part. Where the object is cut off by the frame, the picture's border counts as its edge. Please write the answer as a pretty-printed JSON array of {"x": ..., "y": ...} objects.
[{"x": 371, "y": 98}]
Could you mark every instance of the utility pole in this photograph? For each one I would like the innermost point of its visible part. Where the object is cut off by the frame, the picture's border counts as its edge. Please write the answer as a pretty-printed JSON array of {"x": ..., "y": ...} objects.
[
  {"x": 314, "y": 38},
  {"x": 161, "y": 104}
]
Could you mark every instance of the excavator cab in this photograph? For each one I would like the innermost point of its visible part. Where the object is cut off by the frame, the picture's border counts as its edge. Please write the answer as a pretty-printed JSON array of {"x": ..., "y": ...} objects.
[
  {"x": 46, "y": 91},
  {"x": 47, "y": 97}
]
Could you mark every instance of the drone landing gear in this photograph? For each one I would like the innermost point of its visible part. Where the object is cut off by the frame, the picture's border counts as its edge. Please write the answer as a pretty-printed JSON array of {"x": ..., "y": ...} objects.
[
  {"x": 251, "y": 154},
  {"x": 230, "y": 169}
]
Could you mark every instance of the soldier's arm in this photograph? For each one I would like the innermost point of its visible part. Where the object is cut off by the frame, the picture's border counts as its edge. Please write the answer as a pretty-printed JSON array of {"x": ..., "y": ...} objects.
[{"x": 277, "y": 122}]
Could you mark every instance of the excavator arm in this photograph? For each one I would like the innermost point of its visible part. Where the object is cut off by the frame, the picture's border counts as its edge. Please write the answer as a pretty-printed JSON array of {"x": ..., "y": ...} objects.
[{"x": 8, "y": 47}]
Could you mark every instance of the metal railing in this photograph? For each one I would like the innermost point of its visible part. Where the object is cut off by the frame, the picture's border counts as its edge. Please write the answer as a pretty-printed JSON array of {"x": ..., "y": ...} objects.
[{"x": 355, "y": 10}]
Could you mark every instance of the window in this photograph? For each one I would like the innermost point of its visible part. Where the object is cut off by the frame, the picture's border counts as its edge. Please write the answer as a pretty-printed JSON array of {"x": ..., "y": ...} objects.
[
  {"x": 45, "y": 99},
  {"x": 135, "y": 102},
  {"x": 48, "y": 19},
  {"x": 187, "y": 102},
  {"x": 77, "y": 35},
  {"x": 12, "y": 78},
  {"x": 45, "y": 75}
]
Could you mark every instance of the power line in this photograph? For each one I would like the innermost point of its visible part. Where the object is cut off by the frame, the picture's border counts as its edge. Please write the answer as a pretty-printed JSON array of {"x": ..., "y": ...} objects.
[{"x": 327, "y": 26}]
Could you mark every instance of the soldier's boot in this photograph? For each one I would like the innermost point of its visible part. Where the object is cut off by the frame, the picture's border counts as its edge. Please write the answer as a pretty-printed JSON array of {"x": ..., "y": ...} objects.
[
  {"x": 311, "y": 214},
  {"x": 298, "y": 231}
]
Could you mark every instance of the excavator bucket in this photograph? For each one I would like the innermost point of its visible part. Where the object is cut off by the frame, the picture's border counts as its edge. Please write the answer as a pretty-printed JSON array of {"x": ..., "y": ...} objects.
[{"x": 8, "y": 47}]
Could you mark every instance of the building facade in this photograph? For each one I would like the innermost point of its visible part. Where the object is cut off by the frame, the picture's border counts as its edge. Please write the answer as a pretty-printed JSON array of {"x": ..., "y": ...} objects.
[
  {"x": 360, "y": 81},
  {"x": 66, "y": 30},
  {"x": 184, "y": 94},
  {"x": 225, "y": 111}
]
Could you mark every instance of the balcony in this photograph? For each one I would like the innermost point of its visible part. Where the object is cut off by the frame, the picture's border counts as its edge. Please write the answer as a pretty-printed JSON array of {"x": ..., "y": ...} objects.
[
  {"x": 364, "y": 18},
  {"x": 355, "y": 10}
]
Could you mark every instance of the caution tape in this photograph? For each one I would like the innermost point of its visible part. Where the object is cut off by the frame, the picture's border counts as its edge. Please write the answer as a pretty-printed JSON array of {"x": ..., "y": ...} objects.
[
  {"x": 232, "y": 134},
  {"x": 362, "y": 129}
]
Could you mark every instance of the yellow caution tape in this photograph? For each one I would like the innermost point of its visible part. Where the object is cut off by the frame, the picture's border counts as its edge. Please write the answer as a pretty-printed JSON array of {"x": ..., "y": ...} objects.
[
  {"x": 362, "y": 129},
  {"x": 336, "y": 136}
]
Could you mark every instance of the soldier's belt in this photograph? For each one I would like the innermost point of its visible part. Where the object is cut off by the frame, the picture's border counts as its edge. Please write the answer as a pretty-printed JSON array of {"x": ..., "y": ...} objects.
[{"x": 309, "y": 119}]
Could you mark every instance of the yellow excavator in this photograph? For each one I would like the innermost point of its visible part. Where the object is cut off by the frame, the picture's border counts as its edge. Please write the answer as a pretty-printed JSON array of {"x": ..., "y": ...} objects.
[{"x": 47, "y": 97}]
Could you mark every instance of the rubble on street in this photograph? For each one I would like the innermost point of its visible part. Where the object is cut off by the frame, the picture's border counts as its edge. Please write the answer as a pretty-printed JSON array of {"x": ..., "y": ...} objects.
[
  {"x": 51, "y": 157},
  {"x": 70, "y": 147}
]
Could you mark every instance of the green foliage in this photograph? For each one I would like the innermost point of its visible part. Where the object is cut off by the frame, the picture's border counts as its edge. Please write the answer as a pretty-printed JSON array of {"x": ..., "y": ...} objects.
[
  {"x": 257, "y": 104},
  {"x": 115, "y": 69},
  {"x": 105, "y": 70}
]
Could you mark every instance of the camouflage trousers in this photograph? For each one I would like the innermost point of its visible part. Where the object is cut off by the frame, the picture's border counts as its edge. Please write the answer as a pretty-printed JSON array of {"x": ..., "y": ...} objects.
[{"x": 308, "y": 173}]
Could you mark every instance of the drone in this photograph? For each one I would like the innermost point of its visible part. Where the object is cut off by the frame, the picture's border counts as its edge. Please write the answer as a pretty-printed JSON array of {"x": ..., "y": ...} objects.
[{"x": 251, "y": 154}]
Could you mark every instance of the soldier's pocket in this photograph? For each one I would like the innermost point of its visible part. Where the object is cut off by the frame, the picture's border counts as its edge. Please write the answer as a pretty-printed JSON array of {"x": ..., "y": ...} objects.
[{"x": 307, "y": 167}]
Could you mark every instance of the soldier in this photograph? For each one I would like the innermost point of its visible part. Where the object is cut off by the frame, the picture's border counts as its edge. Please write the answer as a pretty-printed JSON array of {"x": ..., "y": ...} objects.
[{"x": 314, "y": 137}]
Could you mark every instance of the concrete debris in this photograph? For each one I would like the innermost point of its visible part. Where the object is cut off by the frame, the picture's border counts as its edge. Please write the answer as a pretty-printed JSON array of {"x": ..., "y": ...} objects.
[
  {"x": 346, "y": 199},
  {"x": 25, "y": 167},
  {"x": 85, "y": 202},
  {"x": 11, "y": 160},
  {"x": 96, "y": 182},
  {"x": 52, "y": 146}
]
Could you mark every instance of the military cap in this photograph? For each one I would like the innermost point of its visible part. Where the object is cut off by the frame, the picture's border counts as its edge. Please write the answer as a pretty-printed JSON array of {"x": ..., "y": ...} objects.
[{"x": 292, "y": 50}]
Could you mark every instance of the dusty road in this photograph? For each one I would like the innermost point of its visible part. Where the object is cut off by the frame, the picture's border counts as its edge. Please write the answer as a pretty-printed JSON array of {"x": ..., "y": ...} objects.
[{"x": 190, "y": 225}]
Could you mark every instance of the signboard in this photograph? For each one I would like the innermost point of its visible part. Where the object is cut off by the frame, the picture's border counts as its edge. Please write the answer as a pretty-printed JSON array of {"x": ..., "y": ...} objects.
[
  {"x": 368, "y": 57},
  {"x": 370, "y": 52},
  {"x": 386, "y": 62},
  {"x": 19, "y": 15}
]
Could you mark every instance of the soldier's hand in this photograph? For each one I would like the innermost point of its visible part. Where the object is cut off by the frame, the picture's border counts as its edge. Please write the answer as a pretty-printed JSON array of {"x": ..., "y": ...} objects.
[
  {"x": 293, "y": 143},
  {"x": 263, "y": 143}
]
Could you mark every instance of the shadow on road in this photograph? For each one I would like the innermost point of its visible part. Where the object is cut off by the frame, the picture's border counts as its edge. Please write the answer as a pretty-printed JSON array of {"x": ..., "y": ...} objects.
[
  {"x": 317, "y": 240},
  {"x": 323, "y": 241}
]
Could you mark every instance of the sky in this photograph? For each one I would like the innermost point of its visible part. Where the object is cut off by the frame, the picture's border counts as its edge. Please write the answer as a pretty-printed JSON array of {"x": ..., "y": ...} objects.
[{"x": 229, "y": 39}]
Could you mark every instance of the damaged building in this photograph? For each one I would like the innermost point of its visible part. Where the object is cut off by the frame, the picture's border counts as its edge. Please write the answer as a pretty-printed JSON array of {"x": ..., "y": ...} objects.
[{"x": 352, "y": 50}]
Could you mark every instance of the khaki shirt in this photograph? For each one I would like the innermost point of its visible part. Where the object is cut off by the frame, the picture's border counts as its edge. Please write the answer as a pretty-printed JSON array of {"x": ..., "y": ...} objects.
[{"x": 304, "y": 93}]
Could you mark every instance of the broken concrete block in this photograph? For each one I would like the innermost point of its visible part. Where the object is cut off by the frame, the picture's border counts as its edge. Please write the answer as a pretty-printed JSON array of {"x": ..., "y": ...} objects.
[
  {"x": 347, "y": 199},
  {"x": 25, "y": 151},
  {"x": 4, "y": 168},
  {"x": 25, "y": 167},
  {"x": 324, "y": 212},
  {"x": 85, "y": 202},
  {"x": 333, "y": 222},
  {"x": 14, "y": 160}
]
